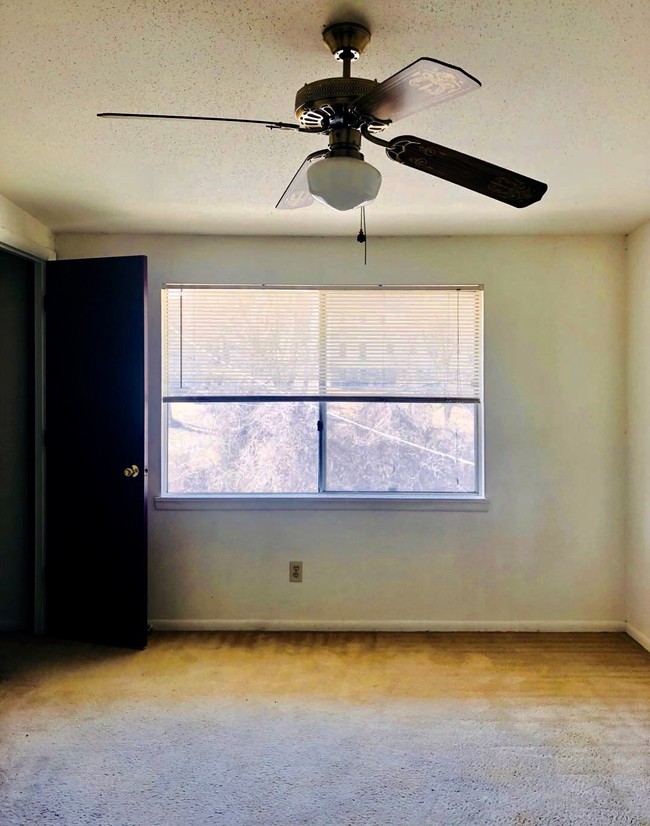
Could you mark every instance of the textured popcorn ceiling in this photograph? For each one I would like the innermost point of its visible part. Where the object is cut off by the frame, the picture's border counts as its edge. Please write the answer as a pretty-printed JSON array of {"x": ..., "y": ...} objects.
[{"x": 565, "y": 99}]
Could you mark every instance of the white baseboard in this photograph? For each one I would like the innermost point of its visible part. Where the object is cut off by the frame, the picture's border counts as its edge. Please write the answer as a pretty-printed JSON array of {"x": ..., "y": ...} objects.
[
  {"x": 560, "y": 626},
  {"x": 641, "y": 638}
]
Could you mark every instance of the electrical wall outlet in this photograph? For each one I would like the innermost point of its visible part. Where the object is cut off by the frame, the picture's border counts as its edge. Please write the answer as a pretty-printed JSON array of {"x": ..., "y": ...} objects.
[{"x": 295, "y": 571}]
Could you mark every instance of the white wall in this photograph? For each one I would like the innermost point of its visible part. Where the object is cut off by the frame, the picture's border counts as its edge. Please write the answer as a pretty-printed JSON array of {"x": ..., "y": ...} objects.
[
  {"x": 20, "y": 230},
  {"x": 638, "y": 559},
  {"x": 549, "y": 552}
]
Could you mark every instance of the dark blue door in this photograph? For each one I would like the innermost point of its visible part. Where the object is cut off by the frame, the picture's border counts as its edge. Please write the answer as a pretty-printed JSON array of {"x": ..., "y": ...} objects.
[{"x": 96, "y": 450}]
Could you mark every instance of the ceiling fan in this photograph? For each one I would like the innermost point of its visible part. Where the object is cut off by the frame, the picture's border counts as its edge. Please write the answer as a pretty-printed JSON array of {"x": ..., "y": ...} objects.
[{"x": 348, "y": 108}]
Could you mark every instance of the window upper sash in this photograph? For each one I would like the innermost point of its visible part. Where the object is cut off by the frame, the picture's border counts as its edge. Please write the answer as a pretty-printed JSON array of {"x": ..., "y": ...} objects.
[{"x": 295, "y": 344}]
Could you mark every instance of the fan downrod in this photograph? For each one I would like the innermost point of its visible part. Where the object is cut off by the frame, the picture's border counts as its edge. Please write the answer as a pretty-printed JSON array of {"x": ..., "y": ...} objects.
[{"x": 327, "y": 103}]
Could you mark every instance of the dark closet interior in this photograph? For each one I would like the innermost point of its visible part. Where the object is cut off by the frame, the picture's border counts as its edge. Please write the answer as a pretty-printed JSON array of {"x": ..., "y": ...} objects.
[{"x": 17, "y": 441}]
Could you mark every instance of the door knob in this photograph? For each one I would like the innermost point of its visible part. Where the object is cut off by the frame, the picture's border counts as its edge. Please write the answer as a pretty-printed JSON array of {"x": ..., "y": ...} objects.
[{"x": 134, "y": 471}]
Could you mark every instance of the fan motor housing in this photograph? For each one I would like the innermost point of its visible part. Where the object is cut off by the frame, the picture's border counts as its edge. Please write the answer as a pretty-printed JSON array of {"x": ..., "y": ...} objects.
[{"x": 319, "y": 102}]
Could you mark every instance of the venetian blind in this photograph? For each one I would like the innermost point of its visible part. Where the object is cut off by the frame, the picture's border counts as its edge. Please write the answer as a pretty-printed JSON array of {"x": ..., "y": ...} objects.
[{"x": 225, "y": 343}]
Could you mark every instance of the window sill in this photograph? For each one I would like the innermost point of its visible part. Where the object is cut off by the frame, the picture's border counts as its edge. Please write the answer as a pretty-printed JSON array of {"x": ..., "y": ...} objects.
[{"x": 320, "y": 502}]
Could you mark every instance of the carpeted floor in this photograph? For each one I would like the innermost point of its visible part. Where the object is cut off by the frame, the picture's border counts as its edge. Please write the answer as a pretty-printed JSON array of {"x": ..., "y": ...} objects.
[{"x": 260, "y": 729}]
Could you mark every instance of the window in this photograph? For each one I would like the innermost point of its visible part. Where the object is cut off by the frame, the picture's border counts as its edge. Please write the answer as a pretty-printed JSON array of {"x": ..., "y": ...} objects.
[{"x": 302, "y": 391}]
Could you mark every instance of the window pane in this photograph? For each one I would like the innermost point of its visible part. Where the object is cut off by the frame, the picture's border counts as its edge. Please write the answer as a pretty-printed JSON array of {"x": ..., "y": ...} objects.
[
  {"x": 247, "y": 447},
  {"x": 401, "y": 447}
]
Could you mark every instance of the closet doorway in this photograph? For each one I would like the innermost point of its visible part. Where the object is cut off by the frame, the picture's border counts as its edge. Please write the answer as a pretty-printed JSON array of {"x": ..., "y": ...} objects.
[{"x": 21, "y": 490}]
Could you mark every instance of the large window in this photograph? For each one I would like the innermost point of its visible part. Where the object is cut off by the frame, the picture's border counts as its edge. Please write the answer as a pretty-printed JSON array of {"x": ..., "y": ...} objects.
[{"x": 322, "y": 391}]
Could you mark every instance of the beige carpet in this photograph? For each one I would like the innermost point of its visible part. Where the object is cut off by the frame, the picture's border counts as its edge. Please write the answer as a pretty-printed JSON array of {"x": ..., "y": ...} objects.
[{"x": 325, "y": 729}]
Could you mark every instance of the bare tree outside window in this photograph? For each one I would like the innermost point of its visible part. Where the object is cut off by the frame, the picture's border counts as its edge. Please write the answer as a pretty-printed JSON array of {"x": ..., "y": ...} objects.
[
  {"x": 243, "y": 447},
  {"x": 402, "y": 447}
]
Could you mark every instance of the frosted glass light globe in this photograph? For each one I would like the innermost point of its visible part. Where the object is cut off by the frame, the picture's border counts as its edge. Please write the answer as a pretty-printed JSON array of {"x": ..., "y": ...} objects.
[{"x": 343, "y": 183}]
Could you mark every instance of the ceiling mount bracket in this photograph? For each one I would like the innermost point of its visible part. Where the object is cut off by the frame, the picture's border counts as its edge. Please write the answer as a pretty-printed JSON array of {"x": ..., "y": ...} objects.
[{"x": 346, "y": 41}]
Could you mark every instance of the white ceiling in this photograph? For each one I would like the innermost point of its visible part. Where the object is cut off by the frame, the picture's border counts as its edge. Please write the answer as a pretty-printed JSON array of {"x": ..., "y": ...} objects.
[{"x": 565, "y": 99}]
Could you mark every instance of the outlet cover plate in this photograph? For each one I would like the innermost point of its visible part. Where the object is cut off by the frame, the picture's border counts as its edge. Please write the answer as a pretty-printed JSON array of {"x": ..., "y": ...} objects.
[{"x": 295, "y": 571}]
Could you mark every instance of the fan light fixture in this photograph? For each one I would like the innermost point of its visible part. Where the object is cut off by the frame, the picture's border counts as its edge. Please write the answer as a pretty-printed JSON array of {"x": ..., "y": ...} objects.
[{"x": 343, "y": 182}]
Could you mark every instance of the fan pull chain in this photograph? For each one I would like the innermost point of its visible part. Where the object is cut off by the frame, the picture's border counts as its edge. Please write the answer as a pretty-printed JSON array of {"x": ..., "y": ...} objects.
[{"x": 362, "y": 237}]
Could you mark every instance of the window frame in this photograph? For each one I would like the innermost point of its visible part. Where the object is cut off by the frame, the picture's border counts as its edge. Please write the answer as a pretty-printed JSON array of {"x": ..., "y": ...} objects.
[{"x": 336, "y": 500}]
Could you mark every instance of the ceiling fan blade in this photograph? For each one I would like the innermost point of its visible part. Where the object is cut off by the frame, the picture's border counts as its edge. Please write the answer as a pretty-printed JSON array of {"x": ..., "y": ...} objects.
[
  {"x": 417, "y": 86},
  {"x": 297, "y": 194},
  {"x": 271, "y": 124},
  {"x": 464, "y": 170}
]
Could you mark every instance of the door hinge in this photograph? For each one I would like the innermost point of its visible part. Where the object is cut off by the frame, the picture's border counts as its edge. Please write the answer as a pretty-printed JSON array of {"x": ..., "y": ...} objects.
[
  {"x": 319, "y": 426},
  {"x": 44, "y": 302}
]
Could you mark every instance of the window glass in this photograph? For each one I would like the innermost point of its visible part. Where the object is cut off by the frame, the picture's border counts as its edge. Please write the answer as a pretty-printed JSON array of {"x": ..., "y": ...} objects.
[
  {"x": 401, "y": 447},
  {"x": 242, "y": 447}
]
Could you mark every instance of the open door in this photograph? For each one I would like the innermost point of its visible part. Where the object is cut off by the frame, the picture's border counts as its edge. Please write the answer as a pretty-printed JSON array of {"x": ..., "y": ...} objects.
[{"x": 96, "y": 451}]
